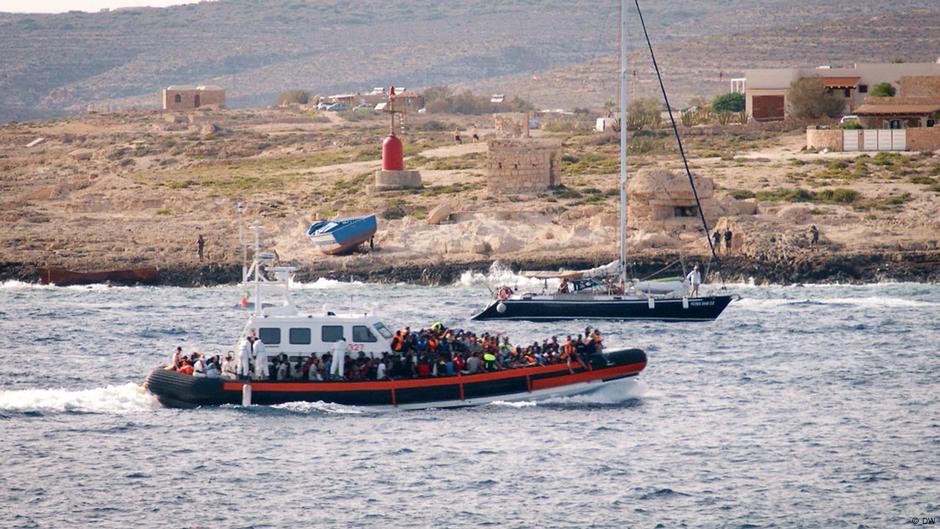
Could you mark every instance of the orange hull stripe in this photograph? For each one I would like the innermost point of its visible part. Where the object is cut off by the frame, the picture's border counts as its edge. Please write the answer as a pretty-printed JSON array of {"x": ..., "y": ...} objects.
[{"x": 299, "y": 387}]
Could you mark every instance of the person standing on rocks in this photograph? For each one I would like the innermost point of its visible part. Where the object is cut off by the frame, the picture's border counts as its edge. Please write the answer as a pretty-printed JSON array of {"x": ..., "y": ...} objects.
[
  {"x": 728, "y": 236},
  {"x": 716, "y": 240},
  {"x": 200, "y": 247},
  {"x": 814, "y": 236},
  {"x": 457, "y": 138}
]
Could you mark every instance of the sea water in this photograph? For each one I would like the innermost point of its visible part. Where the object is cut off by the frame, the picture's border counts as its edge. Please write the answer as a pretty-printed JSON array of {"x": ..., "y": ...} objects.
[{"x": 801, "y": 406}]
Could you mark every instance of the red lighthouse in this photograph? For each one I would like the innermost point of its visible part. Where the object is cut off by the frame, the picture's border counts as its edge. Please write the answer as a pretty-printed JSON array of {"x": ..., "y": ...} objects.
[
  {"x": 393, "y": 175},
  {"x": 393, "y": 152}
]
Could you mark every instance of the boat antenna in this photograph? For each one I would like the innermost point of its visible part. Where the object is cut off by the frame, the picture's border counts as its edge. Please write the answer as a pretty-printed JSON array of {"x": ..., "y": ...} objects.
[
  {"x": 623, "y": 145},
  {"x": 257, "y": 267},
  {"x": 675, "y": 130}
]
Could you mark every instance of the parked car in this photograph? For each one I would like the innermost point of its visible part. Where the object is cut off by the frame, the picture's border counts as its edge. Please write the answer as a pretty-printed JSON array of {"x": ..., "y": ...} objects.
[
  {"x": 336, "y": 107},
  {"x": 851, "y": 118},
  {"x": 363, "y": 107},
  {"x": 323, "y": 105}
]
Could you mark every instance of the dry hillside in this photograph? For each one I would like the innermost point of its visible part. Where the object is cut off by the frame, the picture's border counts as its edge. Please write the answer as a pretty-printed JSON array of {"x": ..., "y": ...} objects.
[{"x": 55, "y": 64}]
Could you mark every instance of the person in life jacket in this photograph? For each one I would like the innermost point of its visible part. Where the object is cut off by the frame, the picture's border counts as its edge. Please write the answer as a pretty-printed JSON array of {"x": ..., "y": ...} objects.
[
  {"x": 244, "y": 358},
  {"x": 261, "y": 360},
  {"x": 489, "y": 361},
  {"x": 397, "y": 342},
  {"x": 185, "y": 368}
]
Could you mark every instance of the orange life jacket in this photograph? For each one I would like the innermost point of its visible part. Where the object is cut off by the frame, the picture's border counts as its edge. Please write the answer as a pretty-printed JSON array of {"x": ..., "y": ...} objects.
[
  {"x": 397, "y": 343},
  {"x": 186, "y": 369}
]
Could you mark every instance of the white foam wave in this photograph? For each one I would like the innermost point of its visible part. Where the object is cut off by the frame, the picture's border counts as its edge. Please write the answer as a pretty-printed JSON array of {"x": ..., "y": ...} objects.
[
  {"x": 616, "y": 392},
  {"x": 499, "y": 275},
  {"x": 126, "y": 398},
  {"x": 323, "y": 283},
  {"x": 872, "y": 301},
  {"x": 319, "y": 407},
  {"x": 517, "y": 404}
]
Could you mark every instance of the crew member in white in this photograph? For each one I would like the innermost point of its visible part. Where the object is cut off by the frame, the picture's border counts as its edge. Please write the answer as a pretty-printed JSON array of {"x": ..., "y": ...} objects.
[
  {"x": 261, "y": 360},
  {"x": 695, "y": 279},
  {"x": 339, "y": 358},
  {"x": 244, "y": 358}
]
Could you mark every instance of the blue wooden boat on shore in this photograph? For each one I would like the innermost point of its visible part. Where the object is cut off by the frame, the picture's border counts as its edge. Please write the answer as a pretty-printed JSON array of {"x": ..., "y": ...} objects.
[{"x": 339, "y": 236}]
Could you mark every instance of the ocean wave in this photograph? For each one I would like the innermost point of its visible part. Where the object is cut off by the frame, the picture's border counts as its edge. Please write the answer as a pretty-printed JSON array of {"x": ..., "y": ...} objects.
[
  {"x": 323, "y": 283},
  {"x": 498, "y": 275},
  {"x": 871, "y": 301},
  {"x": 318, "y": 407},
  {"x": 126, "y": 398}
]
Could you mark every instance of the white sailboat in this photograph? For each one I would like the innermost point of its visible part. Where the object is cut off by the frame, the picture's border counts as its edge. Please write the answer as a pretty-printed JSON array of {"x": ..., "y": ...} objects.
[{"x": 604, "y": 292}]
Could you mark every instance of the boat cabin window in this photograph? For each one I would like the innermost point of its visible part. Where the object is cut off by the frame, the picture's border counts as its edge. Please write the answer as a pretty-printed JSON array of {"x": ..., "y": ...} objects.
[
  {"x": 300, "y": 336},
  {"x": 331, "y": 333},
  {"x": 270, "y": 335},
  {"x": 362, "y": 334},
  {"x": 383, "y": 330}
]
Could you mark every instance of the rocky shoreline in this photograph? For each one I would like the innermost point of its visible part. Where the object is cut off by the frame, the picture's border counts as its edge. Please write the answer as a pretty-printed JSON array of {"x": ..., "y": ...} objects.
[{"x": 808, "y": 267}]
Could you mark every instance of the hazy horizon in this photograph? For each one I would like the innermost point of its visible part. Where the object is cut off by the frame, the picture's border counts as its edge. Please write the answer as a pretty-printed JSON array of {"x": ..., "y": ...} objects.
[{"x": 62, "y": 6}]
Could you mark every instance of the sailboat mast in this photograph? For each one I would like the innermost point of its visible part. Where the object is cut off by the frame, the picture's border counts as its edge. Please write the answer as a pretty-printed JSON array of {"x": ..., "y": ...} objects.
[{"x": 623, "y": 144}]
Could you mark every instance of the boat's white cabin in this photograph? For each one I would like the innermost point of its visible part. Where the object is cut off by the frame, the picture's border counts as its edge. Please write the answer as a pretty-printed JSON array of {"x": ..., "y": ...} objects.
[{"x": 300, "y": 335}]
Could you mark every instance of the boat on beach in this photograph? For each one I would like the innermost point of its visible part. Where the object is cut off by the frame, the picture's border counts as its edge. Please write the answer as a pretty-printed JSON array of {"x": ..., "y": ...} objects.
[
  {"x": 288, "y": 333},
  {"x": 341, "y": 235}
]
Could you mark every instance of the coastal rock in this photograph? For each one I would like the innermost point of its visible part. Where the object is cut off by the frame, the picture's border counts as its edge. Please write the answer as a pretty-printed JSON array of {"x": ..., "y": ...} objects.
[{"x": 439, "y": 214}]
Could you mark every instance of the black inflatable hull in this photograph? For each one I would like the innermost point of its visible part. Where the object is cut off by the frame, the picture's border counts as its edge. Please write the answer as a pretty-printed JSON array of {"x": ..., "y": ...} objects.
[
  {"x": 176, "y": 390},
  {"x": 698, "y": 309}
]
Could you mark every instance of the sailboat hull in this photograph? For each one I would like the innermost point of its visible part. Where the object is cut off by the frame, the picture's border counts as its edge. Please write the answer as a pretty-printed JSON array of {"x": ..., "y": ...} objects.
[{"x": 554, "y": 308}]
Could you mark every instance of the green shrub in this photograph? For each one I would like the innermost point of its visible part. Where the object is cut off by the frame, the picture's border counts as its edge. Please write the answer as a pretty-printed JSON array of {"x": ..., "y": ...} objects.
[
  {"x": 882, "y": 90},
  {"x": 741, "y": 194},
  {"x": 293, "y": 97},
  {"x": 730, "y": 102},
  {"x": 809, "y": 98},
  {"x": 838, "y": 196}
]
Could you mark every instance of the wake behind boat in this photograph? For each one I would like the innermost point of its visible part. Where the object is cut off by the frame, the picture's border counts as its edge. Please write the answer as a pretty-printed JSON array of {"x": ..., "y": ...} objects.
[{"x": 287, "y": 356}]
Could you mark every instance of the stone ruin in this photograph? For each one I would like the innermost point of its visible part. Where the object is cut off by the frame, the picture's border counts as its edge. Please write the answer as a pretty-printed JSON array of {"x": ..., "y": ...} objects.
[
  {"x": 518, "y": 163},
  {"x": 512, "y": 125},
  {"x": 661, "y": 200}
]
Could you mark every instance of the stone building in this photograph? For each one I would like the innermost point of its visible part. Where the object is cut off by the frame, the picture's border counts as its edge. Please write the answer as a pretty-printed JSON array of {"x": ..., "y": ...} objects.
[
  {"x": 522, "y": 166},
  {"x": 183, "y": 97},
  {"x": 518, "y": 163},
  {"x": 661, "y": 200}
]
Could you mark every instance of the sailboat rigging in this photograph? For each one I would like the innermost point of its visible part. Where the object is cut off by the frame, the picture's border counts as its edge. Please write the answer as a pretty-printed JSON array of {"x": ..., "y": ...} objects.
[{"x": 634, "y": 300}]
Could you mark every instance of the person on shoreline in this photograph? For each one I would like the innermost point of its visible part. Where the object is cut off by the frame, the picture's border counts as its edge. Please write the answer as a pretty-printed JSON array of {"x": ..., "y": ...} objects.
[
  {"x": 200, "y": 247},
  {"x": 814, "y": 236},
  {"x": 728, "y": 236},
  {"x": 695, "y": 279},
  {"x": 457, "y": 139},
  {"x": 716, "y": 241}
]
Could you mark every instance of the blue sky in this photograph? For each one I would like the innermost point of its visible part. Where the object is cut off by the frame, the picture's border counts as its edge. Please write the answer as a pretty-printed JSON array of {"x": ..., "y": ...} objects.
[{"x": 60, "y": 6}]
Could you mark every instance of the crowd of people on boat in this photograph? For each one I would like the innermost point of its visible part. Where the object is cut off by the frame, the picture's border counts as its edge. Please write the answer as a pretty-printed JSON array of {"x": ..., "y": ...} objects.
[{"x": 432, "y": 352}]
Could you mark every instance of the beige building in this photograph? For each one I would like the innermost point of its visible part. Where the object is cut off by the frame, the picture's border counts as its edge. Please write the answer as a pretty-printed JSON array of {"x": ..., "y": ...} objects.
[
  {"x": 184, "y": 97},
  {"x": 765, "y": 89},
  {"x": 518, "y": 163}
]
